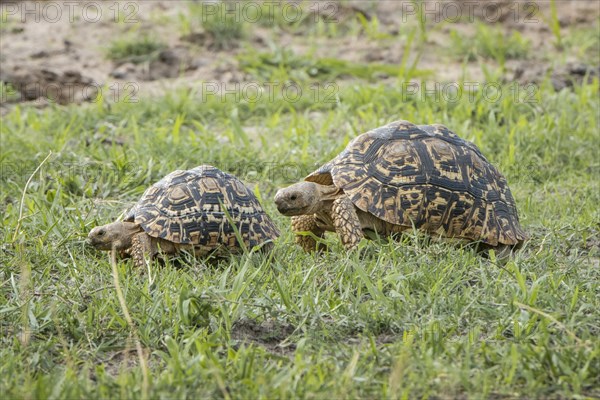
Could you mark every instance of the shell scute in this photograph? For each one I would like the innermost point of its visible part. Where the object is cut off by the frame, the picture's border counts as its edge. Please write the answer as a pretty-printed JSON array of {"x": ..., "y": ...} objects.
[
  {"x": 428, "y": 177},
  {"x": 203, "y": 206}
]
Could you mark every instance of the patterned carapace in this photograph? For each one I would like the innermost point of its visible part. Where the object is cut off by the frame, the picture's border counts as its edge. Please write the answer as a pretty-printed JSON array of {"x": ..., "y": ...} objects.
[
  {"x": 203, "y": 206},
  {"x": 427, "y": 177}
]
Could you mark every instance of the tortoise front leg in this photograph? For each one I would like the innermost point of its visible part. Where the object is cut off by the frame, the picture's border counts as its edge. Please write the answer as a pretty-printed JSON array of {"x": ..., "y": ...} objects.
[
  {"x": 142, "y": 245},
  {"x": 306, "y": 223},
  {"x": 346, "y": 222}
]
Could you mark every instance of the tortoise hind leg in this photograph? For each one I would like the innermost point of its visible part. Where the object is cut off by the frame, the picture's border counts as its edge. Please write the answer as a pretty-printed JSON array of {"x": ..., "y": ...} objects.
[
  {"x": 142, "y": 245},
  {"x": 346, "y": 222},
  {"x": 306, "y": 223}
]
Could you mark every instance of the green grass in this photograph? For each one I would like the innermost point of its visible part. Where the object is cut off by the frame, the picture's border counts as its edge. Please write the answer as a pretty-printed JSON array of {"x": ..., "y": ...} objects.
[
  {"x": 490, "y": 43},
  {"x": 554, "y": 24},
  {"x": 585, "y": 44},
  {"x": 283, "y": 64},
  {"x": 224, "y": 23},
  {"x": 8, "y": 92},
  {"x": 135, "y": 49},
  {"x": 408, "y": 319}
]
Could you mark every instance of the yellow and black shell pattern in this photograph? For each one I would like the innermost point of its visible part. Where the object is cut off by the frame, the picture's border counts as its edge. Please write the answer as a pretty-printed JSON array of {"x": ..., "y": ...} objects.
[
  {"x": 203, "y": 206},
  {"x": 427, "y": 177}
]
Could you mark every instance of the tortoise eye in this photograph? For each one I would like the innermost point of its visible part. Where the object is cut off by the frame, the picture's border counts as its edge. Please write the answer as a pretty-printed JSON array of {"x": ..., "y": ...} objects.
[
  {"x": 101, "y": 233},
  {"x": 293, "y": 197}
]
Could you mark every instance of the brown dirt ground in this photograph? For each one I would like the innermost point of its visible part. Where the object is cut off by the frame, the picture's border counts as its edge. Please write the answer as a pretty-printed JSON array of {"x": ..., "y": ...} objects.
[{"x": 64, "y": 58}]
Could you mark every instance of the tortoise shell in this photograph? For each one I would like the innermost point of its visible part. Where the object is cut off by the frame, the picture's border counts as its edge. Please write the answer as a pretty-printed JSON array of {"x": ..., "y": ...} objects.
[
  {"x": 427, "y": 177},
  {"x": 203, "y": 206}
]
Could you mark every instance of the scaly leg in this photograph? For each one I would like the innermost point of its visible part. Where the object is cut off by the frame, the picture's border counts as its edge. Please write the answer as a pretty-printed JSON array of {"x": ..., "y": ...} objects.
[
  {"x": 346, "y": 222},
  {"x": 142, "y": 246},
  {"x": 306, "y": 223}
]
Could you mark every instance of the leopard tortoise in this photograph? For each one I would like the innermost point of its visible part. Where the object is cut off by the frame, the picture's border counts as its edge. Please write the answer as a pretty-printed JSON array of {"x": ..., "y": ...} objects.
[
  {"x": 401, "y": 176},
  {"x": 198, "y": 210}
]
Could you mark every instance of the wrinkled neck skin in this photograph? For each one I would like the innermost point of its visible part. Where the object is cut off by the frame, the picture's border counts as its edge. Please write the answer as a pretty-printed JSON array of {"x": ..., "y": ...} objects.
[
  {"x": 322, "y": 211},
  {"x": 327, "y": 194},
  {"x": 127, "y": 229}
]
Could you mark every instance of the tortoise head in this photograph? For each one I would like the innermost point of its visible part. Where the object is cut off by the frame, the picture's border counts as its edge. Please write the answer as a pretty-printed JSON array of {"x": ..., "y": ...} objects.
[
  {"x": 117, "y": 235},
  {"x": 303, "y": 198}
]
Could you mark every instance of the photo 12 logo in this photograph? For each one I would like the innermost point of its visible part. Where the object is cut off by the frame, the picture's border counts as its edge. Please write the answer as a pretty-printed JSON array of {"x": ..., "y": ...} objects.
[
  {"x": 270, "y": 11},
  {"x": 65, "y": 93},
  {"x": 452, "y": 92},
  {"x": 456, "y": 11},
  {"x": 70, "y": 11},
  {"x": 253, "y": 92}
]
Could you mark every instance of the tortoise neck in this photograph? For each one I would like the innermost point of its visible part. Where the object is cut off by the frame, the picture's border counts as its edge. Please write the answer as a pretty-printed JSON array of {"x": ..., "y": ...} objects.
[{"x": 329, "y": 192}]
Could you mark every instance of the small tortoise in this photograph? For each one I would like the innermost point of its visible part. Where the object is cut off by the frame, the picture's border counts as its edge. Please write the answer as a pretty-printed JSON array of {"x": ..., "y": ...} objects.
[
  {"x": 401, "y": 176},
  {"x": 200, "y": 210}
]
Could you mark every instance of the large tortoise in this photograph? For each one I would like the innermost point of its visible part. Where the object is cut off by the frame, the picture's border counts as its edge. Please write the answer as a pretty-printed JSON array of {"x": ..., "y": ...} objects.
[
  {"x": 401, "y": 176},
  {"x": 198, "y": 210}
]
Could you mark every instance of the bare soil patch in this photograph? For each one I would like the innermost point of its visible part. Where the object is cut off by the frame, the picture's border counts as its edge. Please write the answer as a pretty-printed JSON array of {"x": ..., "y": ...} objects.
[{"x": 64, "y": 59}]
